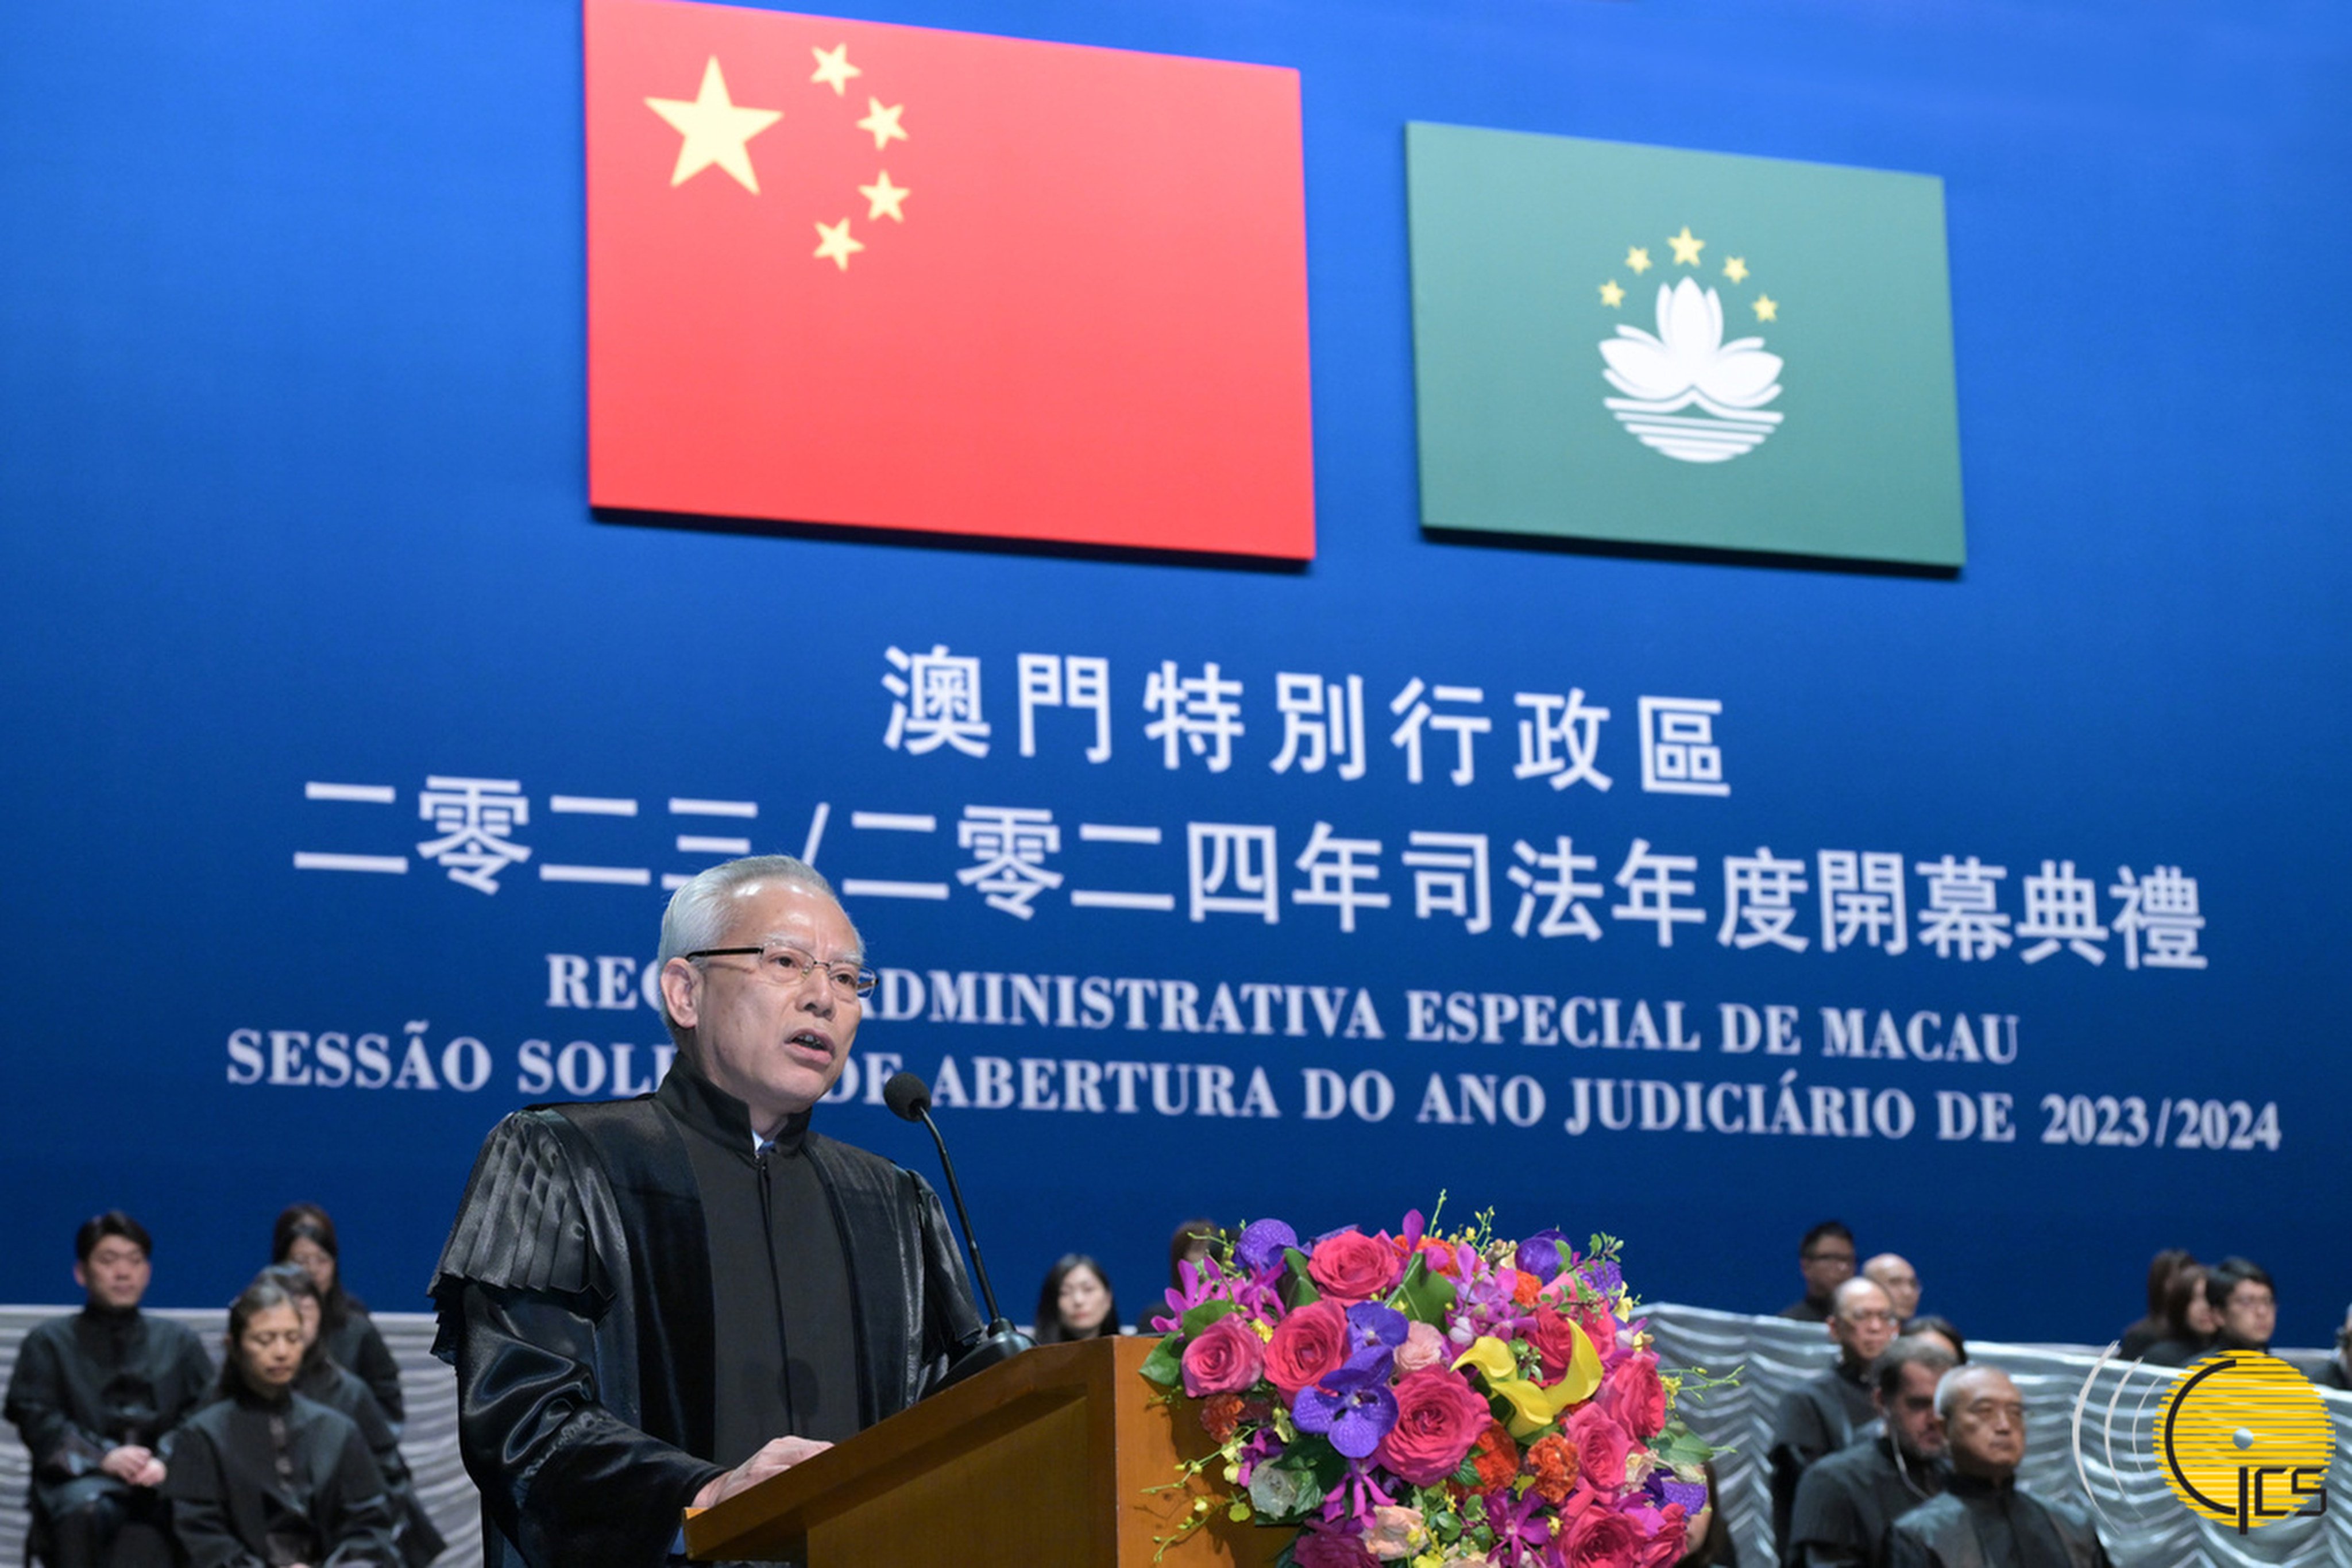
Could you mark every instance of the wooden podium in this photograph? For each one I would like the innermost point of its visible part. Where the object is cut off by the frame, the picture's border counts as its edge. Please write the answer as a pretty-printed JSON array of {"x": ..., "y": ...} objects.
[{"x": 1042, "y": 1461}]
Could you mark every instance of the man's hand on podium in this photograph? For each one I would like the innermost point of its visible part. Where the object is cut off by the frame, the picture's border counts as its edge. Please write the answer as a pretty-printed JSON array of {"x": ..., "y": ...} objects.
[{"x": 775, "y": 1458}]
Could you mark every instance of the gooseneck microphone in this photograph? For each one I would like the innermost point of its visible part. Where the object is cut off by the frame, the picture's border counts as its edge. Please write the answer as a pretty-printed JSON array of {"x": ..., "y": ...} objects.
[{"x": 909, "y": 1098}]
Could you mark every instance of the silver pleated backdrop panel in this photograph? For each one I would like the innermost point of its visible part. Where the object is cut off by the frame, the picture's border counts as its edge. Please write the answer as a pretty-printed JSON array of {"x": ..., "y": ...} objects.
[{"x": 2143, "y": 1526}]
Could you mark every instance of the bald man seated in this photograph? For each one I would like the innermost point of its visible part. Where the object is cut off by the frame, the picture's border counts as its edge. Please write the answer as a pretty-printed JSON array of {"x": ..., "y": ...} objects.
[{"x": 1985, "y": 1520}]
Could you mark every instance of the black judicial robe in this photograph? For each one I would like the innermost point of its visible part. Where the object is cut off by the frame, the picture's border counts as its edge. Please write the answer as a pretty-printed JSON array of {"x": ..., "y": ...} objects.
[
  {"x": 93, "y": 1382},
  {"x": 1845, "y": 1502},
  {"x": 578, "y": 1301},
  {"x": 1820, "y": 1415},
  {"x": 260, "y": 1483},
  {"x": 358, "y": 1348},
  {"x": 1993, "y": 1524},
  {"x": 323, "y": 1382}
]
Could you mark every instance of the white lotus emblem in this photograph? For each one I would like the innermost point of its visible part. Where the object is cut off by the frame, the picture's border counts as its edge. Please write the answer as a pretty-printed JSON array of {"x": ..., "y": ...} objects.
[{"x": 1687, "y": 366}]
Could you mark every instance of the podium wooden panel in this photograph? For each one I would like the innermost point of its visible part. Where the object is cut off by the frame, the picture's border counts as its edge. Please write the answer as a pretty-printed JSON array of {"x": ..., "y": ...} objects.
[{"x": 1042, "y": 1461}]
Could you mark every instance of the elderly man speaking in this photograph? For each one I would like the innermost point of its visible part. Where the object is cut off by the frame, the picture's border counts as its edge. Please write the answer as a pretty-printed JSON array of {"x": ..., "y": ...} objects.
[{"x": 654, "y": 1304}]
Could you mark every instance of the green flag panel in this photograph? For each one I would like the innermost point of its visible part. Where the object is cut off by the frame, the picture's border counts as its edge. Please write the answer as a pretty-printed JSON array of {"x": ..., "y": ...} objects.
[{"x": 1653, "y": 346}]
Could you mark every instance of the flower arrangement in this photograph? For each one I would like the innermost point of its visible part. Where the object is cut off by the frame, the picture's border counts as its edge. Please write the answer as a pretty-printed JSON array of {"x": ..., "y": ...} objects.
[{"x": 1438, "y": 1400}]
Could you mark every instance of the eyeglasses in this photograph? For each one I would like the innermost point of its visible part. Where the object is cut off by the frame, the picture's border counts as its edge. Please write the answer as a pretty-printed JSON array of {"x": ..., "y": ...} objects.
[
  {"x": 790, "y": 966},
  {"x": 1872, "y": 1318}
]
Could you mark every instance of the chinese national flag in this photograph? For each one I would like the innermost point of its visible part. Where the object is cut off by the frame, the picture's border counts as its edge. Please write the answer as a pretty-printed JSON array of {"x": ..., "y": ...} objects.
[{"x": 845, "y": 272}]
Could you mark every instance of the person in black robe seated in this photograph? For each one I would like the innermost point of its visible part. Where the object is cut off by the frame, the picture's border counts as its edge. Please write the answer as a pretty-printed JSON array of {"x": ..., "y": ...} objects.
[
  {"x": 1821, "y": 1414},
  {"x": 654, "y": 1304},
  {"x": 304, "y": 1234},
  {"x": 1985, "y": 1520},
  {"x": 263, "y": 1478},
  {"x": 1845, "y": 1502},
  {"x": 2244, "y": 1303},
  {"x": 2190, "y": 1322},
  {"x": 320, "y": 1378},
  {"x": 2137, "y": 1339},
  {"x": 94, "y": 1396},
  {"x": 1825, "y": 1257}
]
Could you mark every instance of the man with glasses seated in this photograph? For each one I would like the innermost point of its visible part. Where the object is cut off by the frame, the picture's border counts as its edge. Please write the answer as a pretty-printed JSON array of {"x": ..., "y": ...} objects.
[
  {"x": 653, "y": 1304},
  {"x": 1824, "y": 1413},
  {"x": 1825, "y": 1257}
]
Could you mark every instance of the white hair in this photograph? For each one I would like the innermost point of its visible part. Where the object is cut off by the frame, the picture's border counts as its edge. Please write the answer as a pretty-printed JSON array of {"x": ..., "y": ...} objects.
[
  {"x": 697, "y": 914},
  {"x": 1949, "y": 1386}
]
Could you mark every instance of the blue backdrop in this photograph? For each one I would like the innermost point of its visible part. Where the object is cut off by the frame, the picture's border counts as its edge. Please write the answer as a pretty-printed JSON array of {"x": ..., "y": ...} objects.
[{"x": 293, "y": 481}]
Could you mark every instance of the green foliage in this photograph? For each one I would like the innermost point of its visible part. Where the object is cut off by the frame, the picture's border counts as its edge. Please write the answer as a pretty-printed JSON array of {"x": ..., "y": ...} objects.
[
  {"x": 1201, "y": 1316},
  {"x": 1424, "y": 1296},
  {"x": 1163, "y": 1365}
]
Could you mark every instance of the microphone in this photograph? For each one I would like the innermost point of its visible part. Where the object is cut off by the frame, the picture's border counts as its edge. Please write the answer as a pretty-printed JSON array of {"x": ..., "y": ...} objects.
[{"x": 909, "y": 1099}]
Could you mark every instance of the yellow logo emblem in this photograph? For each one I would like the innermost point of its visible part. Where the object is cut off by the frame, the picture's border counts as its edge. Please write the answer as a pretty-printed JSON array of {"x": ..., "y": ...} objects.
[{"x": 2245, "y": 1441}]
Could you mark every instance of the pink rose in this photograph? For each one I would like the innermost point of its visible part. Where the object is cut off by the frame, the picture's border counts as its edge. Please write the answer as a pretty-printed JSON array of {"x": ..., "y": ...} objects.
[
  {"x": 1439, "y": 1415},
  {"x": 1554, "y": 1338},
  {"x": 1669, "y": 1538},
  {"x": 1224, "y": 1358},
  {"x": 1351, "y": 1267},
  {"x": 1423, "y": 1347},
  {"x": 1603, "y": 1539},
  {"x": 1601, "y": 1446},
  {"x": 1309, "y": 1343},
  {"x": 1599, "y": 1326},
  {"x": 1322, "y": 1546},
  {"x": 1636, "y": 1397},
  {"x": 1396, "y": 1533}
]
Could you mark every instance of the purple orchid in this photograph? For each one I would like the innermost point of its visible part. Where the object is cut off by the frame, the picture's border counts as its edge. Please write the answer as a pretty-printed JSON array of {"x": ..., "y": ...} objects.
[
  {"x": 1691, "y": 1495},
  {"x": 1604, "y": 1276},
  {"x": 1352, "y": 1406},
  {"x": 1374, "y": 1332},
  {"x": 1262, "y": 1244},
  {"x": 1521, "y": 1532},
  {"x": 1539, "y": 1255}
]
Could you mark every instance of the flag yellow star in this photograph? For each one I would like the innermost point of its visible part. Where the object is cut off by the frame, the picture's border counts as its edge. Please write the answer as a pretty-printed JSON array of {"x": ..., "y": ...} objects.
[
  {"x": 833, "y": 68},
  {"x": 834, "y": 244},
  {"x": 1611, "y": 295},
  {"x": 1734, "y": 268},
  {"x": 1768, "y": 309},
  {"x": 883, "y": 122},
  {"x": 882, "y": 198},
  {"x": 716, "y": 130},
  {"x": 1638, "y": 258},
  {"x": 1687, "y": 248}
]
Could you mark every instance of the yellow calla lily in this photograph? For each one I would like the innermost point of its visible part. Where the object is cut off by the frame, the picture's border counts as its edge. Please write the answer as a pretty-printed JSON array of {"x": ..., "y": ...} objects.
[
  {"x": 1583, "y": 1377},
  {"x": 1491, "y": 1356},
  {"x": 1533, "y": 1406}
]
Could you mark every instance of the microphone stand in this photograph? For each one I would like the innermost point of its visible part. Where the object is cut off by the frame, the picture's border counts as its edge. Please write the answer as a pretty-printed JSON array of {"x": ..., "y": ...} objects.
[{"x": 1000, "y": 1341}]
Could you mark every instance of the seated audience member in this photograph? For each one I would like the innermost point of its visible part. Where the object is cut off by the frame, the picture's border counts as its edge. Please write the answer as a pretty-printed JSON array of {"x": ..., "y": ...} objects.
[
  {"x": 1928, "y": 1326},
  {"x": 1894, "y": 1275},
  {"x": 1821, "y": 1414},
  {"x": 1985, "y": 1517},
  {"x": 2190, "y": 1323},
  {"x": 1193, "y": 1240},
  {"x": 1076, "y": 1303},
  {"x": 1845, "y": 1502},
  {"x": 94, "y": 1396},
  {"x": 263, "y": 1476},
  {"x": 2137, "y": 1339},
  {"x": 320, "y": 1379},
  {"x": 304, "y": 1234},
  {"x": 2244, "y": 1303},
  {"x": 2338, "y": 1372},
  {"x": 1825, "y": 1257}
]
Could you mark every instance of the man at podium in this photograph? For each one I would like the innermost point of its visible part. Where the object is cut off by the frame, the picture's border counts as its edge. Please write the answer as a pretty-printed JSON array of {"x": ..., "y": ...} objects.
[{"x": 654, "y": 1304}]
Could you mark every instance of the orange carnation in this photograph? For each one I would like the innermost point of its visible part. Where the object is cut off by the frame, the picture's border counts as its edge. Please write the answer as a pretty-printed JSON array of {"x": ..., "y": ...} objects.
[
  {"x": 1220, "y": 1415},
  {"x": 1525, "y": 1289},
  {"x": 1497, "y": 1457},
  {"x": 1553, "y": 1462}
]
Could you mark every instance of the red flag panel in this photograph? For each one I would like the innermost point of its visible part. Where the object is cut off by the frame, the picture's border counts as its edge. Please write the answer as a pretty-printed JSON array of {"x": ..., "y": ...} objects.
[{"x": 847, "y": 272}]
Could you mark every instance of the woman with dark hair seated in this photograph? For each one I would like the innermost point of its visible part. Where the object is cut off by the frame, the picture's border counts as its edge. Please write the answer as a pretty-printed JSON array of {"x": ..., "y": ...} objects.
[
  {"x": 321, "y": 1379},
  {"x": 263, "y": 1478},
  {"x": 1076, "y": 1303},
  {"x": 304, "y": 1234},
  {"x": 2137, "y": 1339},
  {"x": 2190, "y": 1323}
]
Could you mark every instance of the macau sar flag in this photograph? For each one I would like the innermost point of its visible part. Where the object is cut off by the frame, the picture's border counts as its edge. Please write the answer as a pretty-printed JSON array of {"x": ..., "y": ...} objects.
[
  {"x": 1650, "y": 346},
  {"x": 850, "y": 273}
]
